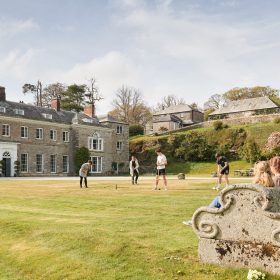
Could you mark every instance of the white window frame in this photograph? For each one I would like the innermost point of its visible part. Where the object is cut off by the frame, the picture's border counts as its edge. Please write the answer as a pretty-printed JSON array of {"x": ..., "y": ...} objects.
[
  {"x": 98, "y": 166},
  {"x": 25, "y": 132},
  {"x": 27, "y": 165},
  {"x": 55, "y": 164},
  {"x": 65, "y": 156},
  {"x": 99, "y": 144},
  {"x": 119, "y": 147},
  {"x": 42, "y": 163},
  {"x": 8, "y": 129},
  {"x": 2, "y": 109},
  {"x": 53, "y": 134},
  {"x": 47, "y": 116},
  {"x": 119, "y": 129},
  {"x": 42, "y": 133},
  {"x": 19, "y": 112},
  {"x": 66, "y": 136}
]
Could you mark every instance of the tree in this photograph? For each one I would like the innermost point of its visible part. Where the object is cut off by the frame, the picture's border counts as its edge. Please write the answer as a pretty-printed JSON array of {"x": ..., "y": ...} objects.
[
  {"x": 36, "y": 90},
  {"x": 92, "y": 92},
  {"x": 81, "y": 156},
  {"x": 247, "y": 92},
  {"x": 215, "y": 101},
  {"x": 136, "y": 129},
  {"x": 130, "y": 107},
  {"x": 169, "y": 100},
  {"x": 194, "y": 106},
  {"x": 251, "y": 151},
  {"x": 55, "y": 90},
  {"x": 73, "y": 98}
]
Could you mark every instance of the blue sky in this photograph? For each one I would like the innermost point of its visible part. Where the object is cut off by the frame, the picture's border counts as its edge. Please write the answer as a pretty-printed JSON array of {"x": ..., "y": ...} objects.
[{"x": 190, "y": 48}]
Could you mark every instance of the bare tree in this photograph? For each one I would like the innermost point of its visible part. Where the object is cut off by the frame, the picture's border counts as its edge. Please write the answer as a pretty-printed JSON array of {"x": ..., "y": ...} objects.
[
  {"x": 130, "y": 107},
  {"x": 169, "y": 100},
  {"x": 215, "y": 101},
  {"x": 36, "y": 90},
  {"x": 55, "y": 90},
  {"x": 92, "y": 92}
]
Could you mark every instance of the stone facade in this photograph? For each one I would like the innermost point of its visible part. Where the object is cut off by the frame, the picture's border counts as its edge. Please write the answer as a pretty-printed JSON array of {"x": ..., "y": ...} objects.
[
  {"x": 37, "y": 146},
  {"x": 244, "y": 232}
]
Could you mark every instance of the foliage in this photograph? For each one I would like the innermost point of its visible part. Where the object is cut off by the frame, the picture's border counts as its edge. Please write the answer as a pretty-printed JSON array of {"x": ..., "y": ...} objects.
[
  {"x": 130, "y": 107},
  {"x": 82, "y": 155},
  {"x": 55, "y": 90},
  {"x": 218, "y": 125},
  {"x": 250, "y": 151},
  {"x": 35, "y": 90},
  {"x": 207, "y": 113},
  {"x": 73, "y": 98},
  {"x": 277, "y": 120},
  {"x": 195, "y": 148},
  {"x": 136, "y": 129},
  {"x": 163, "y": 129},
  {"x": 247, "y": 92}
]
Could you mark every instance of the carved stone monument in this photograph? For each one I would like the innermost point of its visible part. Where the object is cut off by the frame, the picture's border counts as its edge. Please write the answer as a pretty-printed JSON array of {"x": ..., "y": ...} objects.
[{"x": 244, "y": 232}]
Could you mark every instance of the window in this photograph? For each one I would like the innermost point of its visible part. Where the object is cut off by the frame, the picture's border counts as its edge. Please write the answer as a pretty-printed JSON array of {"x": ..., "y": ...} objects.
[
  {"x": 24, "y": 162},
  {"x": 119, "y": 145},
  {"x": 5, "y": 130},
  {"x": 24, "y": 132},
  {"x": 19, "y": 112},
  {"x": 95, "y": 143},
  {"x": 47, "y": 116},
  {"x": 119, "y": 129},
  {"x": 65, "y": 164},
  {"x": 53, "y": 134},
  {"x": 2, "y": 110},
  {"x": 96, "y": 164},
  {"x": 87, "y": 120},
  {"x": 39, "y": 163},
  {"x": 39, "y": 133},
  {"x": 65, "y": 136},
  {"x": 53, "y": 163}
]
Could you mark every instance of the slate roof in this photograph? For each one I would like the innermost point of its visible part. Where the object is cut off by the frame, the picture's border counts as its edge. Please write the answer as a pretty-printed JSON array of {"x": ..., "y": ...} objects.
[
  {"x": 109, "y": 118},
  {"x": 250, "y": 104},
  {"x": 174, "y": 109},
  {"x": 167, "y": 118},
  {"x": 36, "y": 113}
]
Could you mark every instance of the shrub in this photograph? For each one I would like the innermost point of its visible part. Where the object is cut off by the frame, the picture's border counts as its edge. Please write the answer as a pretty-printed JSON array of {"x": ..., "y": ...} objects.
[
  {"x": 81, "y": 156},
  {"x": 251, "y": 151},
  {"x": 136, "y": 129},
  {"x": 163, "y": 129},
  {"x": 276, "y": 120},
  {"x": 218, "y": 125}
]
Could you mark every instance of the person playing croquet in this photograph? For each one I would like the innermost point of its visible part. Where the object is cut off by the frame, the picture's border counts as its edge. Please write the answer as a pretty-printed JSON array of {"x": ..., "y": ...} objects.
[
  {"x": 223, "y": 169},
  {"x": 161, "y": 170},
  {"x": 85, "y": 168}
]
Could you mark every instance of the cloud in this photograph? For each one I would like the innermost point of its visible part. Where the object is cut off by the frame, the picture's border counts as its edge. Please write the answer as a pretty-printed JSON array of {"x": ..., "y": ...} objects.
[
  {"x": 12, "y": 27},
  {"x": 111, "y": 71}
]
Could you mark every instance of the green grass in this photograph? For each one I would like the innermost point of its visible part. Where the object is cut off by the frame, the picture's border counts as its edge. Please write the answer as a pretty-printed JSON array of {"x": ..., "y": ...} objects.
[
  {"x": 203, "y": 168},
  {"x": 54, "y": 230}
]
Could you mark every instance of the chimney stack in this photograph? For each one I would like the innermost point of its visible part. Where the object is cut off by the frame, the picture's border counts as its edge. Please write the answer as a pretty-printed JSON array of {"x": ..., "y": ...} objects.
[
  {"x": 55, "y": 104},
  {"x": 89, "y": 110},
  {"x": 2, "y": 94}
]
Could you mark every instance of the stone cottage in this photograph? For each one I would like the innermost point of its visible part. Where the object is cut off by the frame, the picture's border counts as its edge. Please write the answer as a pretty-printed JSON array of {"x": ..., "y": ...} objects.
[
  {"x": 175, "y": 117},
  {"x": 38, "y": 141},
  {"x": 246, "y": 108}
]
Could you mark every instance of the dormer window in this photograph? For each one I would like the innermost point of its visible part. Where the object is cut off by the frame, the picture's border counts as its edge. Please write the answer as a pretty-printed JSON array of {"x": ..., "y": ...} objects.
[
  {"x": 19, "y": 112},
  {"x": 87, "y": 120},
  {"x": 47, "y": 116},
  {"x": 2, "y": 110}
]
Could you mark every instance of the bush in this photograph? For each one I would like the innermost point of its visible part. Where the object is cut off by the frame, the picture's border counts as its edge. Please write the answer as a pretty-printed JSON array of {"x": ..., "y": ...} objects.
[
  {"x": 218, "y": 125},
  {"x": 276, "y": 120},
  {"x": 251, "y": 151},
  {"x": 163, "y": 129},
  {"x": 136, "y": 129},
  {"x": 82, "y": 155}
]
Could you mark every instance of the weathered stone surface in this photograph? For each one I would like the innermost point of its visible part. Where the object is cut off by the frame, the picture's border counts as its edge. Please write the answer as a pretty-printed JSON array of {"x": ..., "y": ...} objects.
[{"x": 244, "y": 232}]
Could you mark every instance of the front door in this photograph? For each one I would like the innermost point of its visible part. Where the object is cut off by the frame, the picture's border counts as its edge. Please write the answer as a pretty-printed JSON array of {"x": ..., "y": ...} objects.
[{"x": 6, "y": 166}]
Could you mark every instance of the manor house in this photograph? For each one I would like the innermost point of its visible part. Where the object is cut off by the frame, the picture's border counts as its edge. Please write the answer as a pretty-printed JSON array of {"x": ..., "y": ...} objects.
[{"x": 39, "y": 141}]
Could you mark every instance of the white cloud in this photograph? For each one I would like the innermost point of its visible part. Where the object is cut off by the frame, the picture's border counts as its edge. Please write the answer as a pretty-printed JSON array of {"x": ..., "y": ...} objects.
[
  {"x": 111, "y": 71},
  {"x": 11, "y": 27}
]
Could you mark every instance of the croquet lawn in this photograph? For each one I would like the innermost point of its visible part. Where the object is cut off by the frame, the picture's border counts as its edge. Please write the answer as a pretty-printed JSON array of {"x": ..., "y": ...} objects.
[{"x": 55, "y": 230}]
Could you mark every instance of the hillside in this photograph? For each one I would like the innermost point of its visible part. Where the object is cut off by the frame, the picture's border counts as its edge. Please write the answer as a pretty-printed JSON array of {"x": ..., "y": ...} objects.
[{"x": 193, "y": 151}]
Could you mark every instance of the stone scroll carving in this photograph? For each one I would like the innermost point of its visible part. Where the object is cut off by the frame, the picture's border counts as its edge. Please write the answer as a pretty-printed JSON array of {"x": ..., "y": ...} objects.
[{"x": 245, "y": 231}]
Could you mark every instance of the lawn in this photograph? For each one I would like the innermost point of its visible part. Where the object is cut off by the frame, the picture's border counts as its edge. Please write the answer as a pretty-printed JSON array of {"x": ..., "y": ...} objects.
[{"x": 54, "y": 230}]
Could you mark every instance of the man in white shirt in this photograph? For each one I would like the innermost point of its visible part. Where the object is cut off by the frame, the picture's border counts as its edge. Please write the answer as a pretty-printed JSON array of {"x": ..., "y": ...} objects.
[{"x": 161, "y": 163}]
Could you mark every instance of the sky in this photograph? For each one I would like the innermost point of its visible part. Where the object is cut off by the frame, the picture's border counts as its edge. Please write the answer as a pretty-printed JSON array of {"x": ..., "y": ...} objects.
[{"x": 189, "y": 48}]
